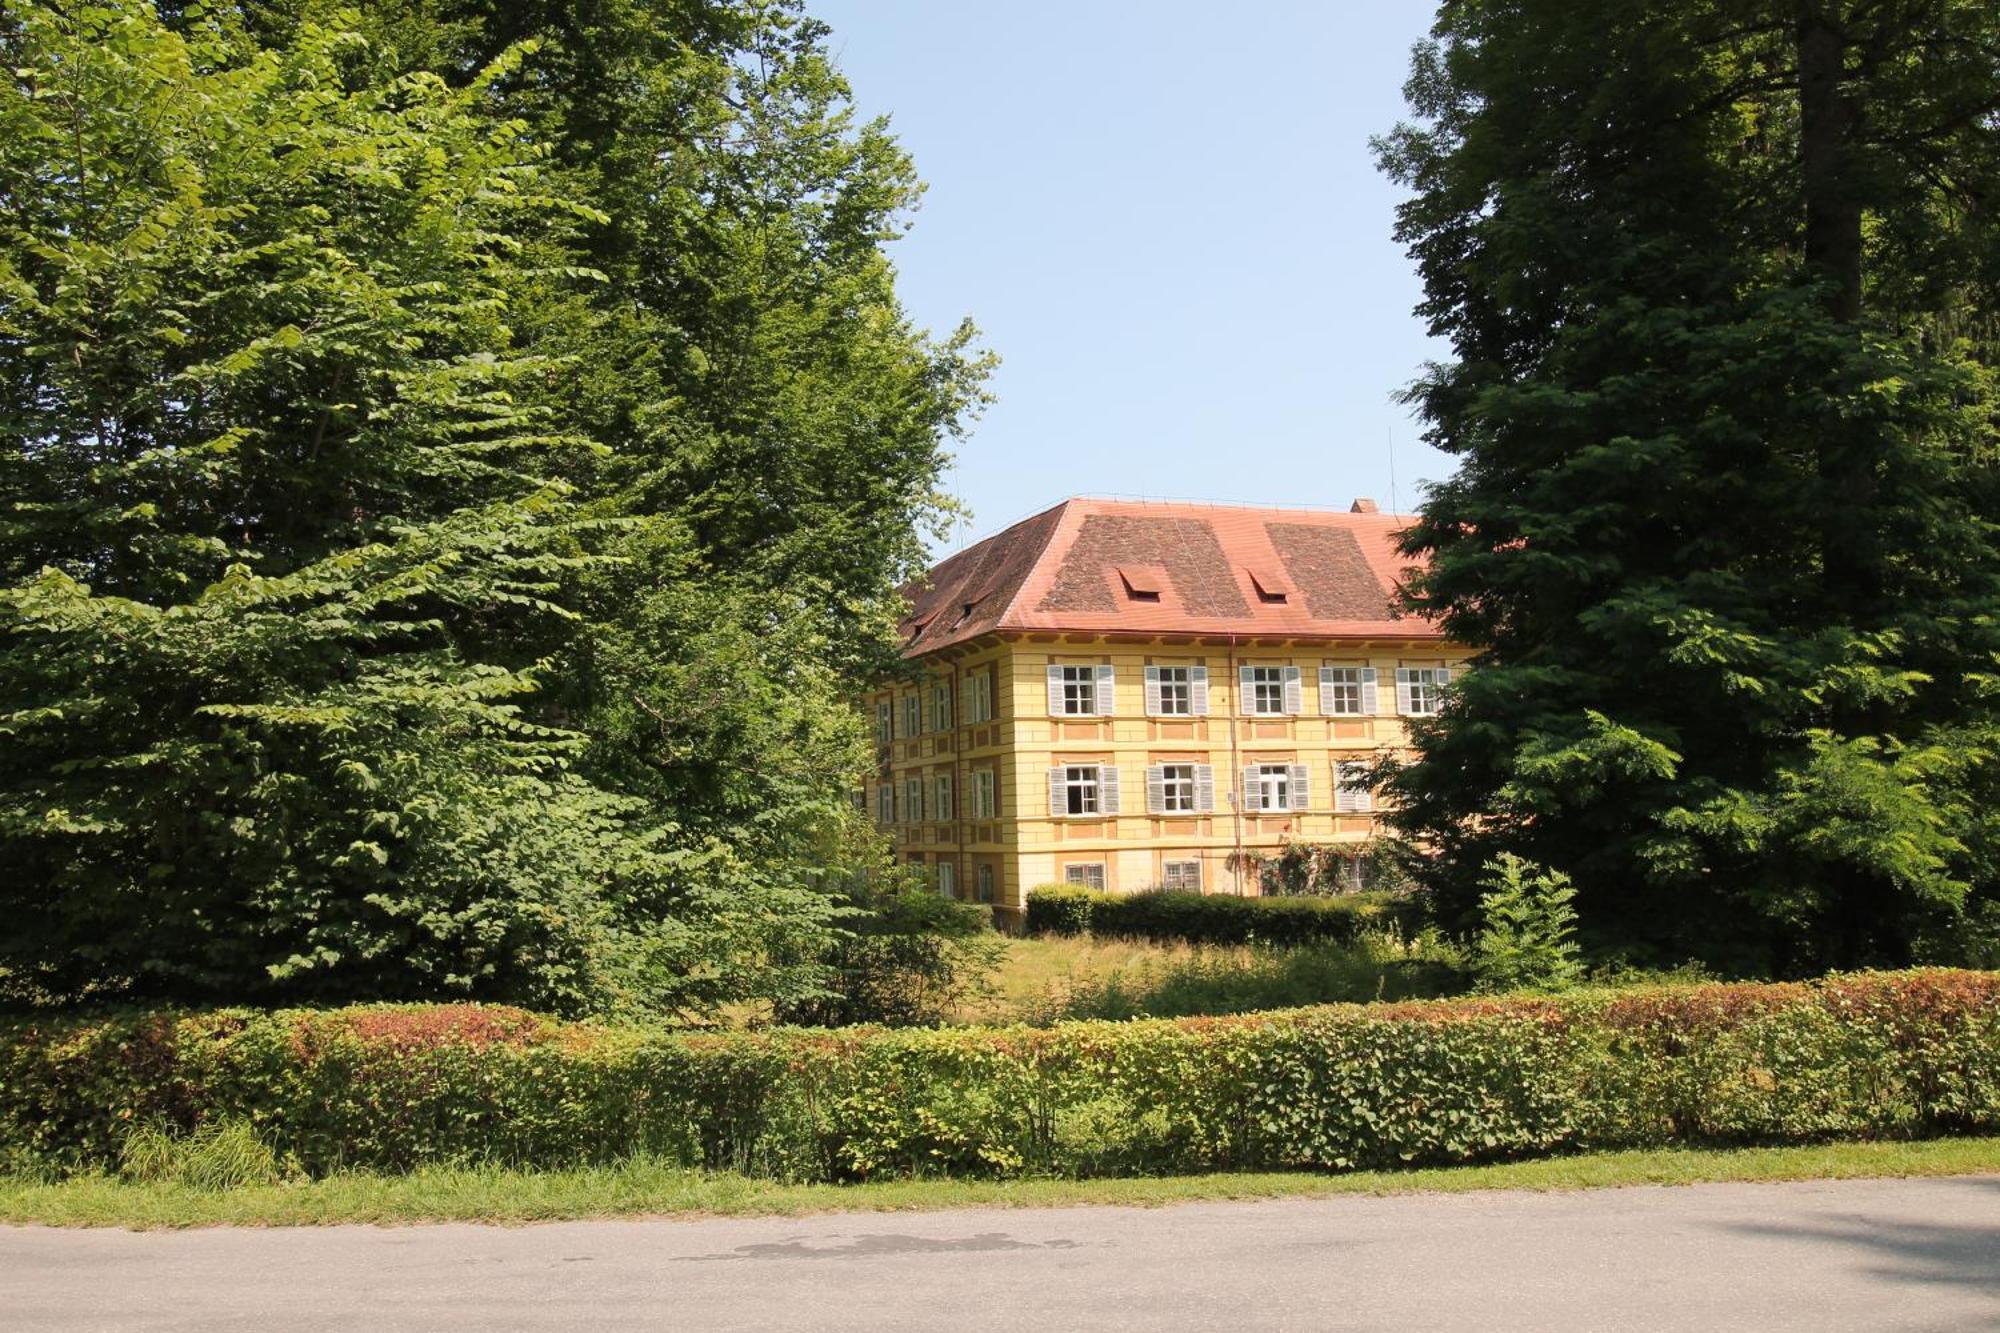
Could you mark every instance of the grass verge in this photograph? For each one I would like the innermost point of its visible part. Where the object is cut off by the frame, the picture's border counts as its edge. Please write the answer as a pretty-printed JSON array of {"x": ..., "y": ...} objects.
[{"x": 642, "y": 1189}]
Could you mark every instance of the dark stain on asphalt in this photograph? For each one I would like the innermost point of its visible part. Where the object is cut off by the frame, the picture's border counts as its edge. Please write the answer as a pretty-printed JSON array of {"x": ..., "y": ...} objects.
[{"x": 876, "y": 1246}]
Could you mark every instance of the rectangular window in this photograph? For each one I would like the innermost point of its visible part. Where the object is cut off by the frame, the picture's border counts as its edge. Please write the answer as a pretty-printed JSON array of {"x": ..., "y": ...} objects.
[
  {"x": 1090, "y": 874},
  {"x": 1176, "y": 692},
  {"x": 1079, "y": 690},
  {"x": 913, "y": 715},
  {"x": 1272, "y": 790},
  {"x": 1350, "y": 792},
  {"x": 1177, "y": 789},
  {"x": 1182, "y": 875},
  {"x": 1266, "y": 697},
  {"x": 1340, "y": 691},
  {"x": 885, "y": 722},
  {"x": 947, "y": 879},
  {"x": 1081, "y": 790},
  {"x": 1420, "y": 690},
  {"x": 885, "y": 804},
  {"x": 984, "y": 805},
  {"x": 979, "y": 697},
  {"x": 942, "y": 796},
  {"x": 913, "y": 801},
  {"x": 941, "y": 707},
  {"x": 984, "y": 878}
]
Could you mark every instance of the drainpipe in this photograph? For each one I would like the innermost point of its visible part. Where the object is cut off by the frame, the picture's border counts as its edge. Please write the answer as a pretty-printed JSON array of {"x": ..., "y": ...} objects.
[
  {"x": 1235, "y": 775},
  {"x": 961, "y": 788}
]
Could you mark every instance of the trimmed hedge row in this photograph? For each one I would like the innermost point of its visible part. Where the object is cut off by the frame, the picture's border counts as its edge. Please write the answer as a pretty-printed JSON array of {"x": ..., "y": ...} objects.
[
  {"x": 389, "y": 1088},
  {"x": 1205, "y": 918}
]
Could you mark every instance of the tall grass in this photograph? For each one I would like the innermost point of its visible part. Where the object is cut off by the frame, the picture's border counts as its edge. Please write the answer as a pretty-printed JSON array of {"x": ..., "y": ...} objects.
[
  {"x": 218, "y": 1155},
  {"x": 1243, "y": 979}
]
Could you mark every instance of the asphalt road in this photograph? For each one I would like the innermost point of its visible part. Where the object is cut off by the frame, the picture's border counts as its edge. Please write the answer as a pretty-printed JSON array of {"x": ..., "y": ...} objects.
[{"x": 1919, "y": 1254}]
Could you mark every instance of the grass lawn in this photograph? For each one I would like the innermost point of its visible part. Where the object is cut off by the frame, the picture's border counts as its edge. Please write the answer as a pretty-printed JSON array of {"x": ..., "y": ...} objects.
[
  {"x": 1038, "y": 970},
  {"x": 649, "y": 1189}
]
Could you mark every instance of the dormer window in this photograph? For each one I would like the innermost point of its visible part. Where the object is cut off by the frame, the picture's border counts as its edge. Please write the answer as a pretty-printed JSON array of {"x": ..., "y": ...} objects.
[
  {"x": 1141, "y": 584},
  {"x": 964, "y": 613},
  {"x": 1270, "y": 588}
]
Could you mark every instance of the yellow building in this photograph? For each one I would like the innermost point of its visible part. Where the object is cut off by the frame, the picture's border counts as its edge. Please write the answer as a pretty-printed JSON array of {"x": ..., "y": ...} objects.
[{"x": 1133, "y": 695}]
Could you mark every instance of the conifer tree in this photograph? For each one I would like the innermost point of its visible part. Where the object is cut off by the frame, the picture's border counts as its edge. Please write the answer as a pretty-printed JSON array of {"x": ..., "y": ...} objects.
[{"x": 1719, "y": 280}]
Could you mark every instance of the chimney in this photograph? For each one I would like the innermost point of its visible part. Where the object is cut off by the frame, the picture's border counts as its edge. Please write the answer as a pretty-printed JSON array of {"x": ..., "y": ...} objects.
[{"x": 1364, "y": 505}]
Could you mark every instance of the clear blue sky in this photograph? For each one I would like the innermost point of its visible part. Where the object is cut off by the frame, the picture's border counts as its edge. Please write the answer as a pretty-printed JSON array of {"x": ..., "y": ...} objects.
[{"x": 1165, "y": 218}]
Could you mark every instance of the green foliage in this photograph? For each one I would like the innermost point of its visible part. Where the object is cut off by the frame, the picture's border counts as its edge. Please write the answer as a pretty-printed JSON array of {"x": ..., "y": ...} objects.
[
  {"x": 456, "y": 467},
  {"x": 906, "y": 957},
  {"x": 1210, "y": 918},
  {"x": 1724, "y": 406},
  {"x": 386, "y": 1088},
  {"x": 1527, "y": 939}
]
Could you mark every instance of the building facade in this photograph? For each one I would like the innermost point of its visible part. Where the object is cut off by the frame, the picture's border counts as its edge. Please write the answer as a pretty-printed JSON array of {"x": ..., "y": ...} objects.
[{"x": 1134, "y": 695}]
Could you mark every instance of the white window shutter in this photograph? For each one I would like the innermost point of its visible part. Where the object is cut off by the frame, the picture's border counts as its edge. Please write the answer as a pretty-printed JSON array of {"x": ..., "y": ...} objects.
[
  {"x": 1152, "y": 691},
  {"x": 1056, "y": 792},
  {"x": 1204, "y": 789},
  {"x": 1346, "y": 799},
  {"x": 1107, "y": 691},
  {"x": 1156, "y": 788},
  {"x": 1107, "y": 789},
  {"x": 1055, "y": 691},
  {"x": 944, "y": 798},
  {"x": 1370, "y": 700},
  {"x": 1295, "y": 702},
  {"x": 1246, "y": 693},
  {"x": 1251, "y": 793},
  {"x": 1326, "y": 691},
  {"x": 1198, "y": 690},
  {"x": 1301, "y": 787},
  {"x": 1403, "y": 691}
]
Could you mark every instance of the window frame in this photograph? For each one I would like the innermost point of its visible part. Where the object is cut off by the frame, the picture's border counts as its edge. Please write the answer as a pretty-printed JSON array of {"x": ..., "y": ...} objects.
[
  {"x": 985, "y": 883},
  {"x": 1173, "y": 788},
  {"x": 985, "y": 794},
  {"x": 913, "y": 800},
  {"x": 1180, "y": 681},
  {"x": 913, "y": 715},
  {"x": 1070, "y": 875},
  {"x": 1273, "y": 780},
  {"x": 1167, "y": 869},
  {"x": 1074, "y": 787},
  {"x": 1343, "y": 679},
  {"x": 1253, "y": 705},
  {"x": 1432, "y": 680},
  {"x": 946, "y": 879},
  {"x": 1079, "y": 686}
]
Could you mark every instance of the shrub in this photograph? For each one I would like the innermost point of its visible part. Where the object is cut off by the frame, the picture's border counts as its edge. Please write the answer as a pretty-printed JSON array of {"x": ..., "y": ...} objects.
[
  {"x": 1062, "y": 909},
  {"x": 1237, "y": 981},
  {"x": 1207, "y": 918},
  {"x": 1529, "y": 935},
  {"x": 1426, "y": 1082},
  {"x": 907, "y": 958}
]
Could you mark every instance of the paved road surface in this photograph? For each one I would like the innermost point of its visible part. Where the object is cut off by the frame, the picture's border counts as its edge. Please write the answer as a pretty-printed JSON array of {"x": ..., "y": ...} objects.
[{"x": 1849, "y": 1255}]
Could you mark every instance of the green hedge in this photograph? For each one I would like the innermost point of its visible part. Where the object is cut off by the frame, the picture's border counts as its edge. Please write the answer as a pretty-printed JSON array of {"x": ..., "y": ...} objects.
[
  {"x": 1206, "y": 918},
  {"x": 388, "y": 1088}
]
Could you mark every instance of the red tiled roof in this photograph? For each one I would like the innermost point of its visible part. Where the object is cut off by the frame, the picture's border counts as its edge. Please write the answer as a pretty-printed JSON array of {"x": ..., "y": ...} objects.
[{"x": 1145, "y": 567}]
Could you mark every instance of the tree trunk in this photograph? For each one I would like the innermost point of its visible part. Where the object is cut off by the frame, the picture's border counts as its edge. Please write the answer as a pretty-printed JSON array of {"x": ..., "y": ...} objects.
[{"x": 1829, "y": 123}]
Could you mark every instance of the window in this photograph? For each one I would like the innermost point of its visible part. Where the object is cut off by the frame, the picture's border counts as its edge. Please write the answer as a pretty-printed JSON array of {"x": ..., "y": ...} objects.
[
  {"x": 941, "y": 807},
  {"x": 1275, "y": 788},
  {"x": 1344, "y": 691},
  {"x": 1270, "y": 691},
  {"x": 1083, "y": 789},
  {"x": 913, "y": 801},
  {"x": 1352, "y": 874},
  {"x": 1182, "y": 875},
  {"x": 1090, "y": 874},
  {"x": 1176, "y": 789},
  {"x": 941, "y": 707},
  {"x": 885, "y": 722},
  {"x": 979, "y": 697},
  {"x": 1073, "y": 690},
  {"x": 1170, "y": 691},
  {"x": 1420, "y": 690},
  {"x": 1350, "y": 792},
  {"x": 983, "y": 877},
  {"x": 947, "y": 879},
  {"x": 913, "y": 715},
  {"x": 985, "y": 805},
  {"x": 885, "y": 804}
]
